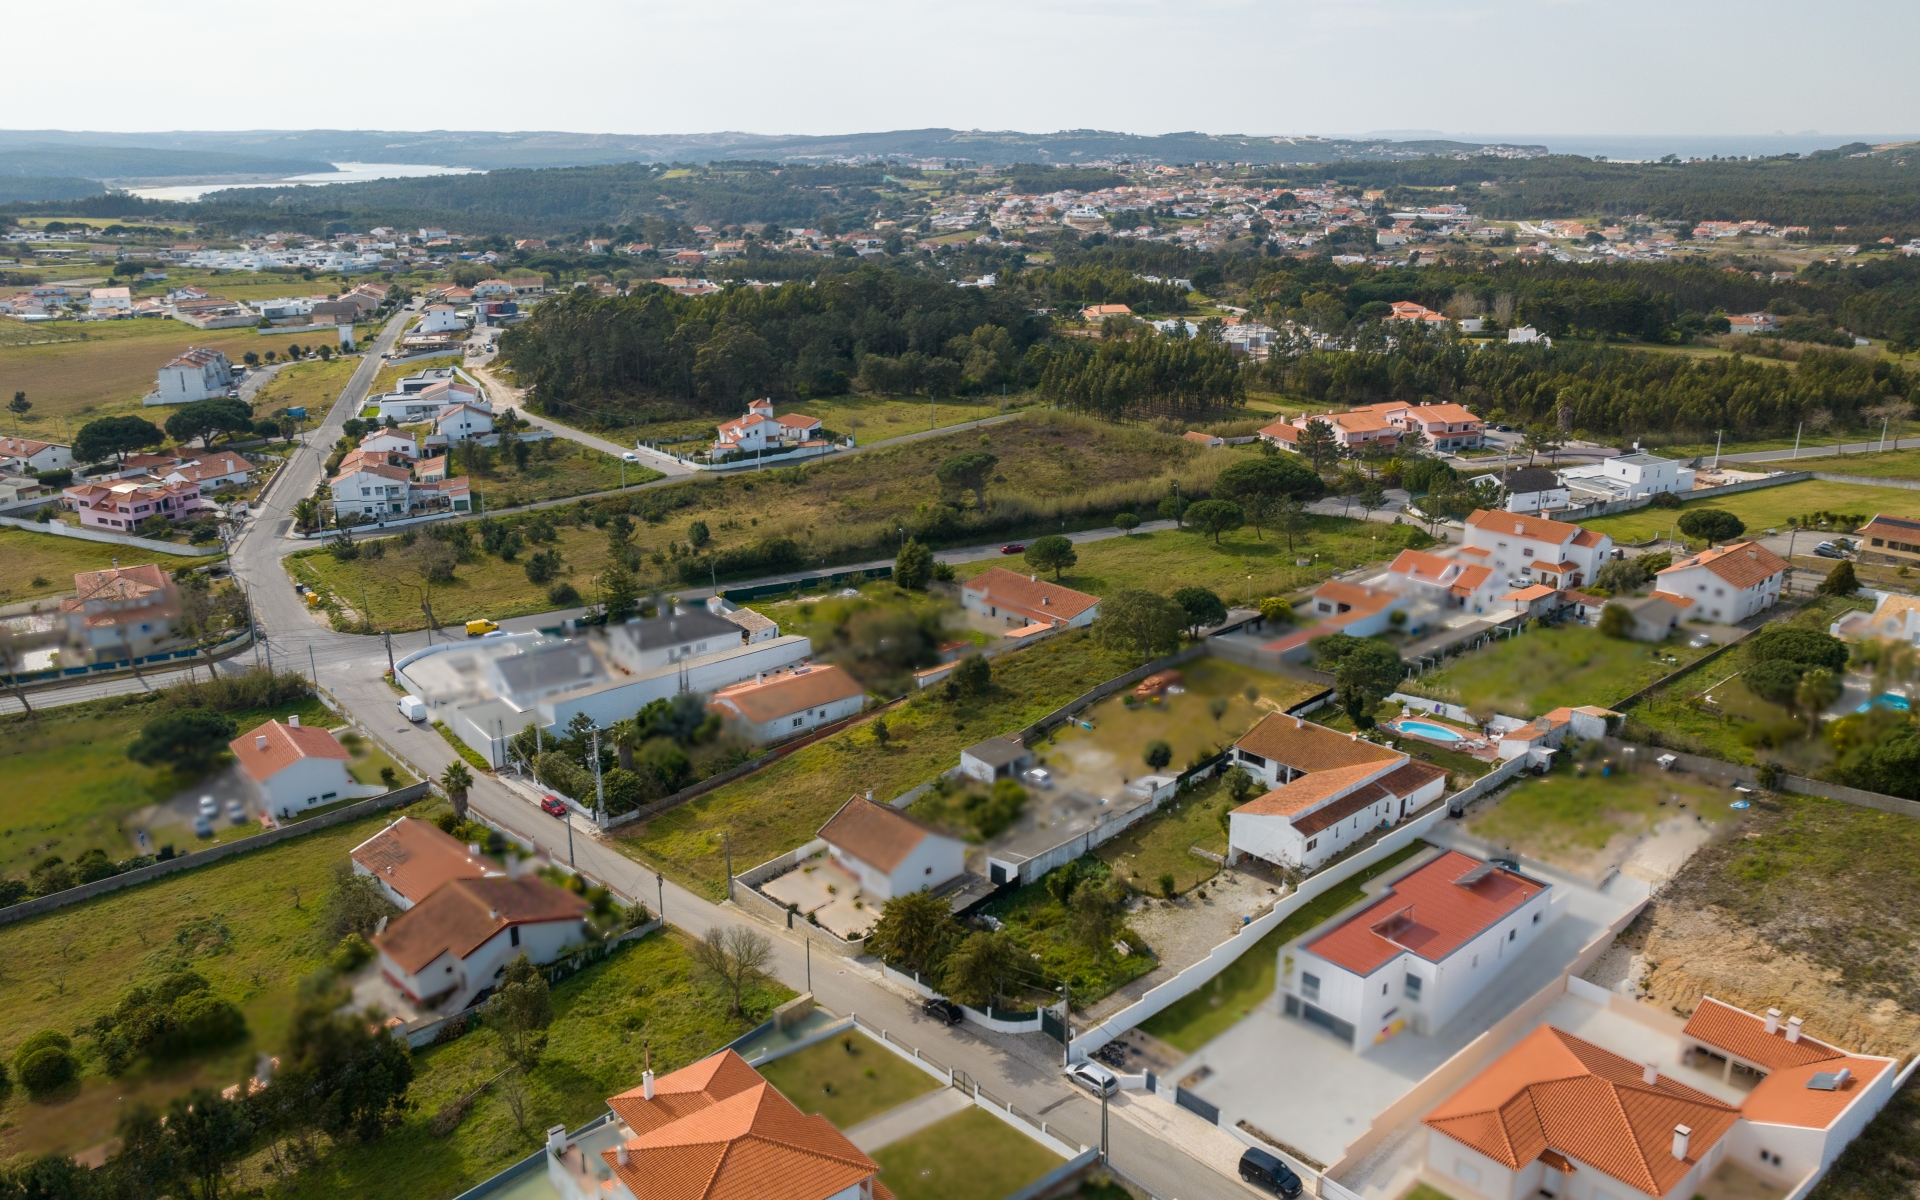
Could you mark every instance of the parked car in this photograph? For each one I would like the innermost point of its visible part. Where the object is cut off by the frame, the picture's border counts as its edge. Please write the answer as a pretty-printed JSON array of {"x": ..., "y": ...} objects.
[
  {"x": 1700, "y": 641},
  {"x": 413, "y": 708},
  {"x": 1094, "y": 1077},
  {"x": 236, "y": 811},
  {"x": 1039, "y": 777},
  {"x": 209, "y": 807},
  {"x": 481, "y": 626},
  {"x": 554, "y": 806},
  {"x": 1266, "y": 1172},
  {"x": 1828, "y": 550},
  {"x": 942, "y": 1009},
  {"x": 631, "y": 457},
  {"x": 1013, "y": 548},
  {"x": 203, "y": 826}
]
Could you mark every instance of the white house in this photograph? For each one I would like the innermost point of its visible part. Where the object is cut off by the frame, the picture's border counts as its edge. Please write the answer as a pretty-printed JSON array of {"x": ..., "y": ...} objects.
[
  {"x": 411, "y": 858},
  {"x": 429, "y": 400},
  {"x": 294, "y": 766},
  {"x": 106, "y": 301},
  {"x": 1417, "y": 955},
  {"x": 120, "y": 613},
  {"x": 1535, "y": 549},
  {"x": 439, "y": 318},
  {"x": 1895, "y": 618},
  {"x": 212, "y": 471},
  {"x": 889, "y": 852},
  {"x": 25, "y": 456},
  {"x": 463, "y": 423},
  {"x": 784, "y": 704},
  {"x": 391, "y": 441},
  {"x": 761, "y": 430},
  {"x": 372, "y": 490},
  {"x": 198, "y": 374},
  {"x": 1539, "y": 738},
  {"x": 1325, "y": 791},
  {"x": 1362, "y": 611},
  {"x": 455, "y": 944},
  {"x": 1558, "y": 1115},
  {"x": 1528, "y": 489},
  {"x": 1522, "y": 335},
  {"x": 1630, "y": 476},
  {"x": 1447, "y": 583},
  {"x": 1020, "y": 600},
  {"x": 1727, "y": 583}
]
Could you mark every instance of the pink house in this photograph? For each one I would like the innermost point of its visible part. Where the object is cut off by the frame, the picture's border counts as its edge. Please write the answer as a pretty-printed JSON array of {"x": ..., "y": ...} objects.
[{"x": 125, "y": 503}]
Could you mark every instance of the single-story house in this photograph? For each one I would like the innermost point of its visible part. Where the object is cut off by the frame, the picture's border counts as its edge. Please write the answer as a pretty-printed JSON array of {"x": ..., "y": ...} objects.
[
  {"x": 1015, "y": 599},
  {"x": 447, "y": 950},
  {"x": 774, "y": 706},
  {"x": 294, "y": 766},
  {"x": 996, "y": 758},
  {"x": 411, "y": 858},
  {"x": 889, "y": 852}
]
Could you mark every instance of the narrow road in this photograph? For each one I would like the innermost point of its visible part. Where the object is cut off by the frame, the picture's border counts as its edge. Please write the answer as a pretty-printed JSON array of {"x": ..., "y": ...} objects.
[{"x": 1818, "y": 452}]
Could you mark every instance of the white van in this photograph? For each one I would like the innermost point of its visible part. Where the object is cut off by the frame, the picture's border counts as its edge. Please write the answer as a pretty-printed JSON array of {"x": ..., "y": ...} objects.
[{"x": 413, "y": 708}]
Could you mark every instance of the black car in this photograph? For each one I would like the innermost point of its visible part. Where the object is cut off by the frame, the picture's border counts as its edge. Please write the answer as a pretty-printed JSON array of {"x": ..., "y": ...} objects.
[
  {"x": 943, "y": 1010},
  {"x": 1267, "y": 1172}
]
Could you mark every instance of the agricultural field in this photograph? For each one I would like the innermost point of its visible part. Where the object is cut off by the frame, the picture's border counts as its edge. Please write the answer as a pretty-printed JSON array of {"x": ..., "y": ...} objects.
[
  {"x": 1562, "y": 665},
  {"x": 33, "y": 565},
  {"x": 781, "y": 807},
  {"x": 1245, "y": 563},
  {"x": 555, "y": 470},
  {"x": 102, "y": 368},
  {"x": 1765, "y": 508}
]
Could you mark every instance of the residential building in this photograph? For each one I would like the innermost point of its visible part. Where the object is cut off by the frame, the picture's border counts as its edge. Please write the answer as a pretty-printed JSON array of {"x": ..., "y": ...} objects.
[
  {"x": 106, "y": 301},
  {"x": 211, "y": 472},
  {"x": 1656, "y": 617},
  {"x": 1629, "y": 477},
  {"x": 1027, "y": 600},
  {"x": 1447, "y": 426},
  {"x": 755, "y": 626},
  {"x": 1100, "y": 312},
  {"x": 1560, "y": 1115},
  {"x": 1351, "y": 429},
  {"x": 889, "y": 852},
  {"x": 996, "y": 758},
  {"x": 120, "y": 613},
  {"x": 492, "y": 287},
  {"x": 1447, "y": 583},
  {"x": 1414, "y": 958},
  {"x": 783, "y": 704},
  {"x": 1361, "y": 611},
  {"x": 761, "y": 431},
  {"x": 293, "y": 766},
  {"x": 1727, "y": 583},
  {"x": 197, "y": 374},
  {"x": 411, "y": 858},
  {"x": 1534, "y": 549},
  {"x": 1747, "y": 324},
  {"x": 1325, "y": 791},
  {"x": 1526, "y": 335},
  {"x": 439, "y": 318},
  {"x": 1209, "y": 440},
  {"x": 1527, "y": 489},
  {"x": 711, "y": 1131},
  {"x": 391, "y": 444},
  {"x": 371, "y": 490},
  {"x": 462, "y": 423},
  {"x": 25, "y": 456},
  {"x": 1537, "y": 740},
  {"x": 431, "y": 470},
  {"x": 125, "y": 503},
  {"x": 450, "y": 947},
  {"x": 1895, "y": 618},
  {"x": 1407, "y": 310},
  {"x": 1892, "y": 540},
  {"x": 427, "y": 400}
]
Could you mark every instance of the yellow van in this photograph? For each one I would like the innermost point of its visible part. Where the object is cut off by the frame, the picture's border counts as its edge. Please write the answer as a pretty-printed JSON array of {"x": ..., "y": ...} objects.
[{"x": 481, "y": 627}]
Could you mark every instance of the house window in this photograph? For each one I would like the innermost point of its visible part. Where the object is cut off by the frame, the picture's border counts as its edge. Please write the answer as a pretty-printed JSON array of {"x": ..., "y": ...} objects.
[
  {"x": 1312, "y": 842},
  {"x": 1413, "y": 987},
  {"x": 1536, "y": 918},
  {"x": 1383, "y": 987},
  {"x": 1512, "y": 933},
  {"x": 797, "y": 721},
  {"x": 1310, "y": 985},
  {"x": 513, "y": 935}
]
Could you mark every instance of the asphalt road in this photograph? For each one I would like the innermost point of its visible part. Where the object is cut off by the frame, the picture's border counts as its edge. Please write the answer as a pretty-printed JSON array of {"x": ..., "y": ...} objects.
[{"x": 1021, "y": 1069}]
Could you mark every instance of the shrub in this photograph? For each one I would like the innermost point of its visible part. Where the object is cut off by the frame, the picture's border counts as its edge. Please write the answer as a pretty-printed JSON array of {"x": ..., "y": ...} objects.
[
  {"x": 48, "y": 1069},
  {"x": 1666, "y": 500},
  {"x": 1277, "y": 609},
  {"x": 1713, "y": 524},
  {"x": 1796, "y": 644},
  {"x": 563, "y": 595},
  {"x": 1616, "y": 621},
  {"x": 350, "y": 955},
  {"x": 1126, "y": 522},
  {"x": 1158, "y": 754}
]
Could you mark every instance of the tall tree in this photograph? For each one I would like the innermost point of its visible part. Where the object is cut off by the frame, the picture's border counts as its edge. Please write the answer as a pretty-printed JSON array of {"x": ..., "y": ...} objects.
[
  {"x": 734, "y": 956},
  {"x": 1317, "y": 443},
  {"x": 1052, "y": 553},
  {"x": 210, "y": 1133},
  {"x": 968, "y": 471},
  {"x": 979, "y": 969},
  {"x": 913, "y": 566},
  {"x": 114, "y": 437},
  {"x": 914, "y": 930},
  {"x": 1144, "y": 623},
  {"x": 455, "y": 781},
  {"x": 1215, "y": 517}
]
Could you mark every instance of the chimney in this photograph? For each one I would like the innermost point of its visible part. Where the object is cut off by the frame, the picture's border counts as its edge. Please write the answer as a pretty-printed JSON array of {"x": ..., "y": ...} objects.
[
  {"x": 557, "y": 1139},
  {"x": 1773, "y": 1022},
  {"x": 1681, "y": 1135},
  {"x": 1299, "y": 723},
  {"x": 1754, "y": 554},
  {"x": 260, "y": 742},
  {"x": 293, "y": 722},
  {"x": 760, "y": 677},
  {"x": 1793, "y": 1029},
  {"x": 620, "y": 1154},
  {"x": 473, "y": 848},
  {"x": 869, "y": 793},
  {"x": 1033, "y": 579},
  {"x": 646, "y": 1084},
  {"x": 1650, "y": 1073}
]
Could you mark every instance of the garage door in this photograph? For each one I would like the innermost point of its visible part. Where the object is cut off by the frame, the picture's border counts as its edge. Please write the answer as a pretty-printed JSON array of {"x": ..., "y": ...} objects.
[{"x": 1330, "y": 1023}]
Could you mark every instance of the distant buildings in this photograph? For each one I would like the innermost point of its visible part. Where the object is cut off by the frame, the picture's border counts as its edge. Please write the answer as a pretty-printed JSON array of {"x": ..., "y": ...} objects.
[
  {"x": 1528, "y": 489},
  {"x": 1892, "y": 540},
  {"x": 1446, "y": 427},
  {"x": 760, "y": 431}
]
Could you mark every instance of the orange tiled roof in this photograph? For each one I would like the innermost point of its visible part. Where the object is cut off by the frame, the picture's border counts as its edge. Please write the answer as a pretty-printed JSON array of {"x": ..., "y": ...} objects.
[
  {"x": 413, "y": 857},
  {"x": 1304, "y": 746},
  {"x": 877, "y": 834},
  {"x": 1305, "y": 791},
  {"x": 286, "y": 745},
  {"x": 460, "y": 915},
  {"x": 1538, "y": 529},
  {"x": 1031, "y": 595},
  {"x": 1742, "y": 564},
  {"x": 1441, "y": 915},
  {"x": 1557, "y": 1092},
  {"x": 785, "y": 693}
]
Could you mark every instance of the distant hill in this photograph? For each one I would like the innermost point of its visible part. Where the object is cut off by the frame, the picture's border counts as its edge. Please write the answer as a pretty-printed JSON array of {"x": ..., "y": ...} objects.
[
  {"x": 38, "y": 189},
  {"x": 139, "y": 162}
]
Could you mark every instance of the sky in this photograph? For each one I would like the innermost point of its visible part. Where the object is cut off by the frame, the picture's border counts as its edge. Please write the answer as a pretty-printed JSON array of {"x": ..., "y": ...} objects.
[{"x": 1544, "y": 68}]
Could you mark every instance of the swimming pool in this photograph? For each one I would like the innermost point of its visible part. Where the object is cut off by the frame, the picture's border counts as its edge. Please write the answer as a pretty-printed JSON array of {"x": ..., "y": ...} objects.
[
  {"x": 1432, "y": 732},
  {"x": 1892, "y": 700}
]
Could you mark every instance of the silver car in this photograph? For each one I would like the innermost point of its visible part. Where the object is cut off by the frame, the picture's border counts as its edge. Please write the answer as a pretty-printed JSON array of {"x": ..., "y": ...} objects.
[{"x": 1094, "y": 1077}]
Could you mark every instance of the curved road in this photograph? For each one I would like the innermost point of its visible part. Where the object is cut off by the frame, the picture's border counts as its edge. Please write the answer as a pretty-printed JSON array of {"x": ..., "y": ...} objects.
[{"x": 1021, "y": 1069}]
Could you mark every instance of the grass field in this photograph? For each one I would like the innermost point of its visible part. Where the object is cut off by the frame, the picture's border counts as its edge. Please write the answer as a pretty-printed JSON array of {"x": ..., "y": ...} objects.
[
  {"x": 1170, "y": 559},
  {"x": 972, "y": 1155},
  {"x": 75, "y": 787},
  {"x": 847, "y": 1079},
  {"x": 557, "y": 469},
  {"x": 1193, "y": 1021},
  {"x": 309, "y": 384},
  {"x": 1891, "y": 464},
  {"x": 872, "y": 419},
  {"x": 44, "y": 564},
  {"x": 1568, "y": 665},
  {"x": 1563, "y": 818},
  {"x": 1765, "y": 508},
  {"x": 72, "y": 382},
  {"x": 604, "y": 1019},
  {"x": 1159, "y": 845},
  {"x": 781, "y": 807}
]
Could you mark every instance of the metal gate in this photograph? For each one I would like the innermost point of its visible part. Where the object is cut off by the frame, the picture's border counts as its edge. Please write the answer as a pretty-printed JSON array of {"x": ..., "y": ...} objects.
[
  {"x": 1053, "y": 1026},
  {"x": 1194, "y": 1104}
]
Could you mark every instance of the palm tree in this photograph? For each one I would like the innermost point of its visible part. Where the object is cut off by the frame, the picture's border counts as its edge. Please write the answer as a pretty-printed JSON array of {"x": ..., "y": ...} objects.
[
  {"x": 625, "y": 736},
  {"x": 455, "y": 781}
]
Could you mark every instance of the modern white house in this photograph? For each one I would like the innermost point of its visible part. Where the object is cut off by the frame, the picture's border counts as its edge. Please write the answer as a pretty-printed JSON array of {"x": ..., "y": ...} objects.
[
  {"x": 108, "y": 301},
  {"x": 1528, "y": 489},
  {"x": 760, "y": 430},
  {"x": 1527, "y": 549},
  {"x": 774, "y": 706},
  {"x": 428, "y": 400},
  {"x": 411, "y": 858},
  {"x": 196, "y": 374},
  {"x": 439, "y": 318},
  {"x": 211, "y": 471},
  {"x": 295, "y": 767},
  {"x": 390, "y": 442},
  {"x": 889, "y": 852},
  {"x": 1629, "y": 477},
  {"x": 1020, "y": 600},
  {"x": 371, "y": 490},
  {"x": 1726, "y": 583},
  {"x": 1416, "y": 956},
  {"x": 454, "y": 945},
  {"x": 1895, "y": 618},
  {"x": 1324, "y": 791}
]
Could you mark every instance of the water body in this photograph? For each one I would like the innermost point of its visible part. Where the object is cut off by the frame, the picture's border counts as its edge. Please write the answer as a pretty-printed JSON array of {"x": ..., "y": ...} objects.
[{"x": 349, "y": 172}]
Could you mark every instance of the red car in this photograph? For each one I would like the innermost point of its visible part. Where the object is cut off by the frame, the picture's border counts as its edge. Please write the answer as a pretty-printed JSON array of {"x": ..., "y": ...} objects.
[
  {"x": 1013, "y": 547},
  {"x": 554, "y": 806}
]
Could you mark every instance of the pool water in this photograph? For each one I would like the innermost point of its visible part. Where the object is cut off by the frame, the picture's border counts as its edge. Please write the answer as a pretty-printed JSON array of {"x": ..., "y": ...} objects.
[
  {"x": 1892, "y": 700},
  {"x": 1436, "y": 733}
]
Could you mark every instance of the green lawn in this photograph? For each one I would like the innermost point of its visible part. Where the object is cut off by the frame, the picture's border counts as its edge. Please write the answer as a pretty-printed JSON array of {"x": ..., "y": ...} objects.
[
  {"x": 1765, "y": 508},
  {"x": 1243, "y": 565},
  {"x": 309, "y": 384},
  {"x": 1563, "y": 665},
  {"x": 246, "y": 923},
  {"x": 972, "y": 1155},
  {"x": 1159, "y": 845},
  {"x": 604, "y": 1019},
  {"x": 1563, "y": 817},
  {"x": 847, "y": 1079},
  {"x": 33, "y": 565},
  {"x": 774, "y": 810},
  {"x": 1193, "y": 1021},
  {"x": 557, "y": 469},
  {"x": 1891, "y": 464},
  {"x": 1042, "y": 928},
  {"x": 73, "y": 788},
  {"x": 873, "y": 419}
]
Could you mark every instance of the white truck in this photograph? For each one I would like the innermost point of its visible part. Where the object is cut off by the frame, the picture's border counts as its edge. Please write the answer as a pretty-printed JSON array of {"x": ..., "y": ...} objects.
[{"x": 413, "y": 708}]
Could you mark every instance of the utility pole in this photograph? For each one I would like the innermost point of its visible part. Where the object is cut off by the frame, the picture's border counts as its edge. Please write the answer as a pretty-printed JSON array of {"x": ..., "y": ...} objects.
[
  {"x": 569, "y": 835},
  {"x": 726, "y": 844},
  {"x": 809, "y": 964},
  {"x": 391, "y": 669},
  {"x": 1883, "y": 432},
  {"x": 1717, "y": 435},
  {"x": 1796, "y": 438},
  {"x": 313, "y": 669},
  {"x": 660, "y": 886},
  {"x": 599, "y": 787}
]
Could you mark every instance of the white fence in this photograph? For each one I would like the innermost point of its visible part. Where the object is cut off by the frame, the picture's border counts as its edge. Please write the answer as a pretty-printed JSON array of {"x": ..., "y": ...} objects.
[
  {"x": 1005, "y": 1023},
  {"x": 1222, "y": 956},
  {"x": 116, "y": 539}
]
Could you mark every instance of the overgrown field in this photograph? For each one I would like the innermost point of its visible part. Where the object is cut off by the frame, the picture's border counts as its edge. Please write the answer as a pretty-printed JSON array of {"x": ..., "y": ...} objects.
[
  {"x": 779, "y": 808},
  {"x": 44, "y": 564},
  {"x": 1766, "y": 508},
  {"x": 1535, "y": 672},
  {"x": 105, "y": 369}
]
